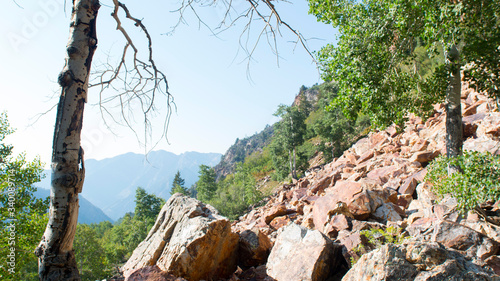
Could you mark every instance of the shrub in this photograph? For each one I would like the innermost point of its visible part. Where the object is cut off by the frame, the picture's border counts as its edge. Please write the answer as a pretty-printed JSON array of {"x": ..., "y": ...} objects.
[{"x": 478, "y": 180}]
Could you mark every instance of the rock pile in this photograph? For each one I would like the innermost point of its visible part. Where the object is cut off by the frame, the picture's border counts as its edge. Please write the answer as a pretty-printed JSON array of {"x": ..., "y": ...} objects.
[{"x": 313, "y": 228}]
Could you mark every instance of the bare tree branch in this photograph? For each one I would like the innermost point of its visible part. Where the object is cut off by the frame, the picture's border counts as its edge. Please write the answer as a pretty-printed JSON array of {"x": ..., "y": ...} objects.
[
  {"x": 257, "y": 10},
  {"x": 135, "y": 81}
]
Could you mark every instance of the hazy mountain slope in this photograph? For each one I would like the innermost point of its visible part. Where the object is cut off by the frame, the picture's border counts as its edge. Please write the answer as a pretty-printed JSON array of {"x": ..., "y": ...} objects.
[
  {"x": 110, "y": 183},
  {"x": 88, "y": 213}
]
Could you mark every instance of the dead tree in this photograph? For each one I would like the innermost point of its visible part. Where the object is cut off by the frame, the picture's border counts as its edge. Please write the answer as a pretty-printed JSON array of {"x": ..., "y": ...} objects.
[{"x": 134, "y": 80}]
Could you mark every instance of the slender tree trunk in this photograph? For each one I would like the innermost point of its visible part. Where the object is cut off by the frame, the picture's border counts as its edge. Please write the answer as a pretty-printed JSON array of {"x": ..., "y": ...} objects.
[
  {"x": 454, "y": 138},
  {"x": 55, "y": 253},
  {"x": 294, "y": 175}
]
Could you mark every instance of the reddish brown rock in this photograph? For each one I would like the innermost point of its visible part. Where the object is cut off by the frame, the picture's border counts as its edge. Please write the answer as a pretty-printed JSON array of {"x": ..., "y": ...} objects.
[
  {"x": 382, "y": 173},
  {"x": 317, "y": 187},
  {"x": 464, "y": 239},
  {"x": 152, "y": 273},
  {"x": 365, "y": 156},
  {"x": 408, "y": 187},
  {"x": 275, "y": 211},
  {"x": 254, "y": 248},
  {"x": 420, "y": 145},
  {"x": 279, "y": 222},
  {"x": 303, "y": 254},
  {"x": 424, "y": 156},
  {"x": 340, "y": 222},
  {"x": 494, "y": 263}
]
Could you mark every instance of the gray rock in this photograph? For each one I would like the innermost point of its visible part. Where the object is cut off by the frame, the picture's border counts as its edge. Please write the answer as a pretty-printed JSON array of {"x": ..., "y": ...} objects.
[{"x": 420, "y": 261}]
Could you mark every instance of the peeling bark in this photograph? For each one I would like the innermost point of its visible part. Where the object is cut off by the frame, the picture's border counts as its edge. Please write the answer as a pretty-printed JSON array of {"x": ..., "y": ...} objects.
[{"x": 55, "y": 252}]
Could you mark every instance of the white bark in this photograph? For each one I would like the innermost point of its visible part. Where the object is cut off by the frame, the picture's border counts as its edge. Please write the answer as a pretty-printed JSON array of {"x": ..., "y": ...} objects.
[{"x": 55, "y": 252}]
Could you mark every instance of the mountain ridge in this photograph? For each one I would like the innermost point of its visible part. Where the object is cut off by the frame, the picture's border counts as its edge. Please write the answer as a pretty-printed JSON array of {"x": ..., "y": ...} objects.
[{"x": 110, "y": 183}]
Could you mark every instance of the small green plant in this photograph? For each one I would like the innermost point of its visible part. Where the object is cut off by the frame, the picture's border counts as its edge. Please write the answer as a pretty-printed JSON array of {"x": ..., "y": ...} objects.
[
  {"x": 379, "y": 237},
  {"x": 376, "y": 238},
  {"x": 477, "y": 181}
]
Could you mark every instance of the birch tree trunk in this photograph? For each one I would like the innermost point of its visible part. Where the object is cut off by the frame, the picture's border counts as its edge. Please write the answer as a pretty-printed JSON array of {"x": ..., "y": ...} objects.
[
  {"x": 454, "y": 134},
  {"x": 56, "y": 258}
]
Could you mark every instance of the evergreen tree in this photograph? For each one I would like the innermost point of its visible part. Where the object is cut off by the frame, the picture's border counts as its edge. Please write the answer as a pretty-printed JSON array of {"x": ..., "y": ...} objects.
[
  {"x": 206, "y": 185},
  {"x": 178, "y": 185}
]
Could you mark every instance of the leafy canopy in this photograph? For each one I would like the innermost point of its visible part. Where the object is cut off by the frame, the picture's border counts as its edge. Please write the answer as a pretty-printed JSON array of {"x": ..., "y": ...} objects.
[
  {"x": 23, "y": 215},
  {"x": 387, "y": 59}
]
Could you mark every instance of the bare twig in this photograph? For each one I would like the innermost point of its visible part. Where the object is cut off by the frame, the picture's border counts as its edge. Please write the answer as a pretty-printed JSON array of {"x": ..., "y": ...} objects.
[
  {"x": 257, "y": 10},
  {"x": 134, "y": 81}
]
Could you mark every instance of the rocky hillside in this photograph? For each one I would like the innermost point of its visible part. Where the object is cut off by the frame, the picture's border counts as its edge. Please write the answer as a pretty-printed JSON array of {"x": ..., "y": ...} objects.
[
  {"x": 241, "y": 149},
  {"x": 331, "y": 224}
]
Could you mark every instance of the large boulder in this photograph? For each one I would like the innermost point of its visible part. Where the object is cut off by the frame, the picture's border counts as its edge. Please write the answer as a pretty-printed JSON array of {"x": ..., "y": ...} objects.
[
  {"x": 189, "y": 240},
  {"x": 417, "y": 261},
  {"x": 254, "y": 248},
  {"x": 303, "y": 254}
]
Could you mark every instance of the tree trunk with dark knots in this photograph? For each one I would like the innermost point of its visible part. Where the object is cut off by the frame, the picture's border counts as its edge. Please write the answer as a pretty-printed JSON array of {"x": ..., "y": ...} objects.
[
  {"x": 454, "y": 134},
  {"x": 56, "y": 258}
]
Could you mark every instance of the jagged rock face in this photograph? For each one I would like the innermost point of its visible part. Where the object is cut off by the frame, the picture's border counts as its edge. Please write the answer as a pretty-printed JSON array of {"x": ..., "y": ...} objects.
[
  {"x": 416, "y": 261},
  {"x": 189, "y": 240},
  {"x": 303, "y": 254}
]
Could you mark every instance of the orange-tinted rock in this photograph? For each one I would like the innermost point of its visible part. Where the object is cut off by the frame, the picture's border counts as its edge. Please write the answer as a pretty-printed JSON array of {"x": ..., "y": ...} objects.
[
  {"x": 152, "y": 273},
  {"x": 382, "y": 174},
  {"x": 424, "y": 156},
  {"x": 254, "y": 248},
  {"x": 365, "y": 156},
  {"x": 303, "y": 254},
  {"x": 275, "y": 211},
  {"x": 408, "y": 187},
  {"x": 188, "y": 234},
  {"x": 340, "y": 222},
  {"x": 320, "y": 185},
  {"x": 279, "y": 222}
]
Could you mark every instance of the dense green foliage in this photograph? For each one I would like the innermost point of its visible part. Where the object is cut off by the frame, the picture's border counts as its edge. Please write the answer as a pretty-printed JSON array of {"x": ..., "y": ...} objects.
[
  {"x": 91, "y": 257},
  {"x": 235, "y": 193},
  {"x": 478, "y": 181},
  {"x": 206, "y": 185},
  {"x": 178, "y": 185},
  {"x": 289, "y": 134},
  {"x": 147, "y": 206},
  {"x": 385, "y": 59},
  {"x": 23, "y": 215}
]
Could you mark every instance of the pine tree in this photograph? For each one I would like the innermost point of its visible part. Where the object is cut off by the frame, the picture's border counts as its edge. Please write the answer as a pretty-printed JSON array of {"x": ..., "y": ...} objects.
[{"x": 178, "y": 185}]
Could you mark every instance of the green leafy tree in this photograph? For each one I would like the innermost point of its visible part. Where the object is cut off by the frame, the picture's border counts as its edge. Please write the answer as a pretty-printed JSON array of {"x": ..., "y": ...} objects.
[
  {"x": 178, "y": 185},
  {"x": 121, "y": 240},
  {"x": 378, "y": 62},
  {"x": 206, "y": 185},
  {"x": 147, "y": 206},
  {"x": 288, "y": 135},
  {"x": 236, "y": 192},
  {"x": 90, "y": 255},
  {"x": 23, "y": 216}
]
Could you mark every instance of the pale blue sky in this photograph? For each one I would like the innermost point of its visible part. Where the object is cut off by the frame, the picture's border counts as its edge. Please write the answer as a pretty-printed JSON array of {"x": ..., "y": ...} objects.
[{"x": 216, "y": 102}]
